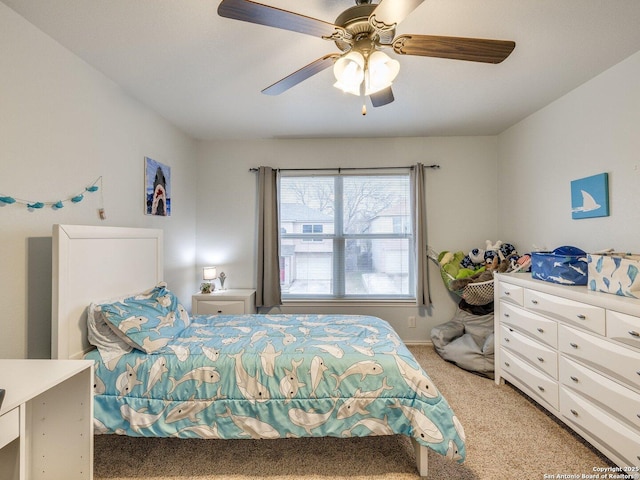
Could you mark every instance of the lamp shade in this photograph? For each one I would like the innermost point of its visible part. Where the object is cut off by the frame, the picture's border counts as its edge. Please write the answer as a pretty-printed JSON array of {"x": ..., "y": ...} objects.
[
  {"x": 381, "y": 72},
  {"x": 209, "y": 273},
  {"x": 349, "y": 72}
]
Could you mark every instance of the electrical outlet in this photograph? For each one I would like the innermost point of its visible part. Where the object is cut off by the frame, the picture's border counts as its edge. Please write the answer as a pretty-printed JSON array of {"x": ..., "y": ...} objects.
[{"x": 412, "y": 322}]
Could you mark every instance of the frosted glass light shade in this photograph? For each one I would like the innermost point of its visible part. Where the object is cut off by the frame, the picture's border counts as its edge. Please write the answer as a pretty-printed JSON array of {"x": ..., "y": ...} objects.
[
  {"x": 349, "y": 72},
  {"x": 381, "y": 72},
  {"x": 209, "y": 273}
]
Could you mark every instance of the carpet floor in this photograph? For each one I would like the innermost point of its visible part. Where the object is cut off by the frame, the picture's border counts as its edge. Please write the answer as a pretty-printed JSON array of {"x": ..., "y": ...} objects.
[{"x": 508, "y": 437}]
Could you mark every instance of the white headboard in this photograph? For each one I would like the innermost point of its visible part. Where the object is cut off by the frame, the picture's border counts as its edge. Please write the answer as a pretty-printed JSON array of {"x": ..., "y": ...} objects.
[{"x": 91, "y": 264}]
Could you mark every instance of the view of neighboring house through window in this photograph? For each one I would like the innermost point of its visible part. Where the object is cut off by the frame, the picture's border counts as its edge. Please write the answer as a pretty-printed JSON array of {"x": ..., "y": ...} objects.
[{"x": 344, "y": 236}]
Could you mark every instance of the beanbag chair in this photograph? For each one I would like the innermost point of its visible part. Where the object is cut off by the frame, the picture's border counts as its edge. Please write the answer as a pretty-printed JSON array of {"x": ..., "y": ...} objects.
[{"x": 468, "y": 341}]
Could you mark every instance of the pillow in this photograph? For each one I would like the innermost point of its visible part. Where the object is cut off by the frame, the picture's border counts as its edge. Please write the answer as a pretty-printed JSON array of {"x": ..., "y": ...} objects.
[
  {"x": 147, "y": 321},
  {"x": 100, "y": 335}
]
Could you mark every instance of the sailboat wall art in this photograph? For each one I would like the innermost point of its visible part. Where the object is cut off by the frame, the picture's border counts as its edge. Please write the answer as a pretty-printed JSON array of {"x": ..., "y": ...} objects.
[{"x": 590, "y": 197}]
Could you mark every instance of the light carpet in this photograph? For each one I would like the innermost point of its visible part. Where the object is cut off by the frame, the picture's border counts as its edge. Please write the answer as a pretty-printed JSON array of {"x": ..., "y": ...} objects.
[{"x": 508, "y": 437}]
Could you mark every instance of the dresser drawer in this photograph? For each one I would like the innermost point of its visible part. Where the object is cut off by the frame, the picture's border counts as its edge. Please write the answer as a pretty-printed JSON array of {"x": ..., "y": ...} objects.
[
  {"x": 528, "y": 379},
  {"x": 612, "y": 360},
  {"x": 533, "y": 324},
  {"x": 510, "y": 293},
  {"x": 575, "y": 313},
  {"x": 623, "y": 328},
  {"x": 611, "y": 396},
  {"x": 608, "y": 432},
  {"x": 211, "y": 307},
  {"x": 536, "y": 354},
  {"x": 9, "y": 426}
]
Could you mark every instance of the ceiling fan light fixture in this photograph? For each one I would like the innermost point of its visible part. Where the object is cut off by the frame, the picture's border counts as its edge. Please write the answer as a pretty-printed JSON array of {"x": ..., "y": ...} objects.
[
  {"x": 380, "y": 73},
  {"x": 349, "y": 72}
]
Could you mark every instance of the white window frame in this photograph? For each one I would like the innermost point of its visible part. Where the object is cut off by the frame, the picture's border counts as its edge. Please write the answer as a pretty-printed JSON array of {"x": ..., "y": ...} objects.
[{"x": 339, "y": 239}]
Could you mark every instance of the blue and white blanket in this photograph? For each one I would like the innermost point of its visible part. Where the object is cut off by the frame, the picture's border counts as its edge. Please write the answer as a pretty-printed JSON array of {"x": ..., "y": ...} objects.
[{"x": 275, "y": 376}]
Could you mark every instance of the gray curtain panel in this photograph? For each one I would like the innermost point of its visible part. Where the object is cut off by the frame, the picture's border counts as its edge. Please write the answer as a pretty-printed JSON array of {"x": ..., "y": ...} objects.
[
  {"x": 268, "y": 283},
  {"x": 423, "y": 297}
]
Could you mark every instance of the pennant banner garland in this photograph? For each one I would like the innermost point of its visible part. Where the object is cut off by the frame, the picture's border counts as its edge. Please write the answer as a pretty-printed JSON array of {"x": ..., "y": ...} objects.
[{"x": 58, "y": 204}]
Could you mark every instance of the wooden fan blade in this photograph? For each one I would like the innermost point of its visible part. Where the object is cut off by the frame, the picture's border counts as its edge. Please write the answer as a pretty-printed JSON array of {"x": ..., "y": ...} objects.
[
  {"x": 389, "y": 13},
  {"x": 457, "y": 48},
  {"x": 298, "y": 76},
  {"x": 254, "y": 12},
  {"x": 383, "y": 97}
]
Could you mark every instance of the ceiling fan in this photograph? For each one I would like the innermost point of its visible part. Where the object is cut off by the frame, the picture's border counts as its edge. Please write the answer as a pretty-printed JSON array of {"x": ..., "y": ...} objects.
[{"x": 361, "y": 32}]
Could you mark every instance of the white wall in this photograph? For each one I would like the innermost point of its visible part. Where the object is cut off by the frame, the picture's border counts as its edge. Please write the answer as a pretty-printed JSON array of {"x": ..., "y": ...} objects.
[
  {"x": 591, "y": 130},
  {"x": 461, "y": 204},
  {"x": 62, "y": 125}
]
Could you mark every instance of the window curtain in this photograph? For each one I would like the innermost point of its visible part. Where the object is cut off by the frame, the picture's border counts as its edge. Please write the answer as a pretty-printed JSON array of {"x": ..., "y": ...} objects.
[
  {"x": 423, "y": 297},
  {"x": 268, "y": 283}
]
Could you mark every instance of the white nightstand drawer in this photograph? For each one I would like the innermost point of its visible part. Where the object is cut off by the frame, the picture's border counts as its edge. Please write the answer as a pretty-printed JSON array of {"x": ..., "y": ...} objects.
[
  {"x": 623, "y": 328},
  {"x": 530, "y": 380},
  {"x": 535, "y": 325},
  {"x": 582, "y": 315},
  {"x": 9, "y": 426},
  {"x": 604, "y": 429},
  {"x": 220, "y": 308},
  {"x": 537, "y": 355},
  {"x": 611, "y": 396},
  {"x": 612, "y": 360},
  {"x": 510, "y": 293}
]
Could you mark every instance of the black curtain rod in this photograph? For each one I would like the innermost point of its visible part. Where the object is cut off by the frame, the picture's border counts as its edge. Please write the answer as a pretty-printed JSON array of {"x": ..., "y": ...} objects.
[{"x": 340, "y": 169}]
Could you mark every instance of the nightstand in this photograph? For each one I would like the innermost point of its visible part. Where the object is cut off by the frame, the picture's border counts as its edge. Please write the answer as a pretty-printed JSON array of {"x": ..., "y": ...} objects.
[{"x": 224, "y": 302}]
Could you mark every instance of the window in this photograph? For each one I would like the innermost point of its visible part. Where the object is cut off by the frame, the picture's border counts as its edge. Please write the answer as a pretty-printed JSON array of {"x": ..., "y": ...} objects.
[
  {"x": 312, "y": 229},
  {"x": 346, "y": 237}
]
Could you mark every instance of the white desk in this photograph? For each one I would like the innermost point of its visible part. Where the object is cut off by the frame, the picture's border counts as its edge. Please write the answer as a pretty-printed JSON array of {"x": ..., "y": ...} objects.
[{"x": 46, "y": 419}]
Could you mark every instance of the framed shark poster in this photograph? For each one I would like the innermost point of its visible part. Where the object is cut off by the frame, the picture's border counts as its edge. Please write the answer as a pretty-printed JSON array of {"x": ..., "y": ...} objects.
[
  {"x": 590, "y": 197},
  {"x": 157, "y": 178}
]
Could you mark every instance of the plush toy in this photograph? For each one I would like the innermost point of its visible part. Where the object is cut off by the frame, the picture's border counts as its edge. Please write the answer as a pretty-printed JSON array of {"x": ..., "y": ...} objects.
[
  {"x": 467, "y": 262},
  {"x": 445, "y": 257},
  {"x": 506, "y": 250},
  {"x": 450, "y": 262},
  {"x": 493, "y": 246},
  {"x": 477, "y": 256}
]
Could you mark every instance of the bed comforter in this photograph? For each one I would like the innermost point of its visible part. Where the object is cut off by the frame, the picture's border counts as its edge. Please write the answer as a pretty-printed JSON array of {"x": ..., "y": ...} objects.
[{"x": 276, "y": 376}]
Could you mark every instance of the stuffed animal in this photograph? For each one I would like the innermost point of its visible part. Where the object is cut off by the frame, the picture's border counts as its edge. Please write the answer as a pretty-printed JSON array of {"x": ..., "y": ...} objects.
[{"x": 477, "y": 256}]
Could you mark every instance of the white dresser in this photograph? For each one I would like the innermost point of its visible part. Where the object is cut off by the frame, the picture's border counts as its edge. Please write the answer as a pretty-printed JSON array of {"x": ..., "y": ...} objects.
[{"x": 577, "y": 353}]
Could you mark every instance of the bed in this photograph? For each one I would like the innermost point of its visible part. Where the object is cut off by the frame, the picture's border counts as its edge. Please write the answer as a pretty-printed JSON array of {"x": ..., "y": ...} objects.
[{"x": 162, "y": 372}]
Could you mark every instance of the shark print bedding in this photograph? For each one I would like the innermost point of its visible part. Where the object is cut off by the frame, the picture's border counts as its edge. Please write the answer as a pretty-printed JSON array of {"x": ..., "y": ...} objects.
[{"x": 274, "y": 376}]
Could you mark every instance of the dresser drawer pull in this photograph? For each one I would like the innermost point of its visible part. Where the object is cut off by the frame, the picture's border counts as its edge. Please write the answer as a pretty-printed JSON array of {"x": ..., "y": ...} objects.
[
  {"x": 219, "y": 311},
  {"x": 535, "y": 302},
  {"x": 633, "y": 333},
  {"x": 540, "y": 359},
  {"x": 541, "y": 388},
  {"x": 506, "y": 315},
  {"x": 575, "y": 379},
  {"x": 541, "y": 330},
  {"x": 574, "y": 413},
  {"x": 507, "y": 340},
  {"x": 507, "y": 293},
  {"x": 581, "y": 316},
  {"x": 574, "y": 345},
  {"x": 507, "y": 364}
]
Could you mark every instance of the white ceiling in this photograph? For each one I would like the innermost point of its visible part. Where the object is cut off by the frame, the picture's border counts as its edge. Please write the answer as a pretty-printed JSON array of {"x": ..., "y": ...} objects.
[{"x": 204, "y": 73}]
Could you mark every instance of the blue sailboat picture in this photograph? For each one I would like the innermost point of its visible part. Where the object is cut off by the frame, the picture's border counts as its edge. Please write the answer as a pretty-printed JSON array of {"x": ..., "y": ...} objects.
[{"x": 590, "y": 197}]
